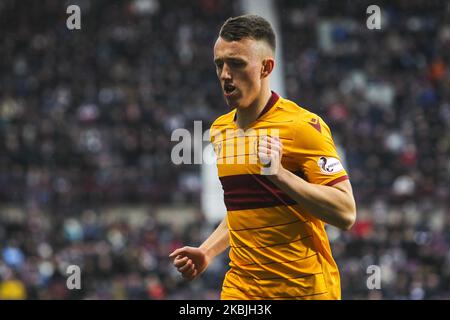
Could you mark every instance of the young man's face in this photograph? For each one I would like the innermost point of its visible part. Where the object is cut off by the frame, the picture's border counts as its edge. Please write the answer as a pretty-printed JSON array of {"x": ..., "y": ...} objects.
[{"x": 239, "y": 66}]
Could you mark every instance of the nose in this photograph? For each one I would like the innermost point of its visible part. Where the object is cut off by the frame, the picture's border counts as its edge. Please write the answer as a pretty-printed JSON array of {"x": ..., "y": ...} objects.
[{"x": 226, "y": 72}]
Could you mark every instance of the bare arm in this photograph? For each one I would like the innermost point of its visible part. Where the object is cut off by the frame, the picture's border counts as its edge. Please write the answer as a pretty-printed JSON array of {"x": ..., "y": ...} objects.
[
  {"x": 334, "y": 205},
  {"x": 191, "y": 262},
  {"x": 218, "y": 241}
]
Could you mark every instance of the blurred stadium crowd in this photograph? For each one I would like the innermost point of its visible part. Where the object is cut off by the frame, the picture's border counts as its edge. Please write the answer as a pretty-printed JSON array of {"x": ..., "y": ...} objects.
[{"x": 86, "y": 118}]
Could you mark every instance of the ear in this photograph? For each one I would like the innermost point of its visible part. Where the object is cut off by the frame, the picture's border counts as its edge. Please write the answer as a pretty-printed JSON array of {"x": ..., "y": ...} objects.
[{"x": 267, "y": 67}]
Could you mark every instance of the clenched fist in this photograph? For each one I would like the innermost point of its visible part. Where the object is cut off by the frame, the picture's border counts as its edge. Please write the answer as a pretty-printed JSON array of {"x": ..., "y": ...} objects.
[
  {"x": 270, "y": 151},
  {"x": 190, "y": 261}
]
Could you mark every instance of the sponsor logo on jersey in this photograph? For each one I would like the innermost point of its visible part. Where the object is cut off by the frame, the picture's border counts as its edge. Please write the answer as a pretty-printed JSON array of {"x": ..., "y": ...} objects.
[
  {"x": 316, "y": 124},
  {"x": 330, "y": 165}
]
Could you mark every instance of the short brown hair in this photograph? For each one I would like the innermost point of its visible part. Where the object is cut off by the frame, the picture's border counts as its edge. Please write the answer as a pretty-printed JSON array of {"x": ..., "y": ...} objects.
[{"x": 248, "y": 26}]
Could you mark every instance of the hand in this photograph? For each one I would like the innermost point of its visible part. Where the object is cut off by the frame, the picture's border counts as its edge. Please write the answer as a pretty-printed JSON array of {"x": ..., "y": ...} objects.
[
  {"x": 189, "y": 261},
  {"x": 270, "y": 151}
]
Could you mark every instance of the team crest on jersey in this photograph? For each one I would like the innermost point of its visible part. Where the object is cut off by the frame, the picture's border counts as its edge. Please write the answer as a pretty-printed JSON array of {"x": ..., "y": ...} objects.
[{"x": 330, "y": 165}]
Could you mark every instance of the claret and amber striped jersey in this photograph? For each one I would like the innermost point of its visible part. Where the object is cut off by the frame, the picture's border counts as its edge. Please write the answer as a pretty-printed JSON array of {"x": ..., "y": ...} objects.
[{"x": 277, "y": 251}]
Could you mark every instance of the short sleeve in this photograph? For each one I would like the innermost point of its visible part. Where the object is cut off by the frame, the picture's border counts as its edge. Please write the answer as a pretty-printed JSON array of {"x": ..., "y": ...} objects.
[{"x": 317, "y": 154}]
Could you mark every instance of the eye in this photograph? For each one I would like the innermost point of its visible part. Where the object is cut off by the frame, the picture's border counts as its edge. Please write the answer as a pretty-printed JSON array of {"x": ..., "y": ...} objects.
[{"x": 237, "y": 63}]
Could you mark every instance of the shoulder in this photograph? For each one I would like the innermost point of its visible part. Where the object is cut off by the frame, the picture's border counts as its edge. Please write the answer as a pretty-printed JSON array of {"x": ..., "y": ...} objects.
[
  {"x": 304, "y": 119},
  {"x": 221, "y": 123},
  {"x": 224, "y": 119},
  {"x": 309, "y": 129}
]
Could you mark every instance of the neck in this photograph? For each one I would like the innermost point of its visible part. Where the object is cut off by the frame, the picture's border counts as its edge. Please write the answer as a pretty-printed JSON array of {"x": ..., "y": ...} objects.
[{"x": 246, "y": 116}]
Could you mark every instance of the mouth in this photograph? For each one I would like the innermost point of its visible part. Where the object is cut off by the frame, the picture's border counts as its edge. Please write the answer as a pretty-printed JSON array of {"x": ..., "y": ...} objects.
[{"x": 229, "y": 89}]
